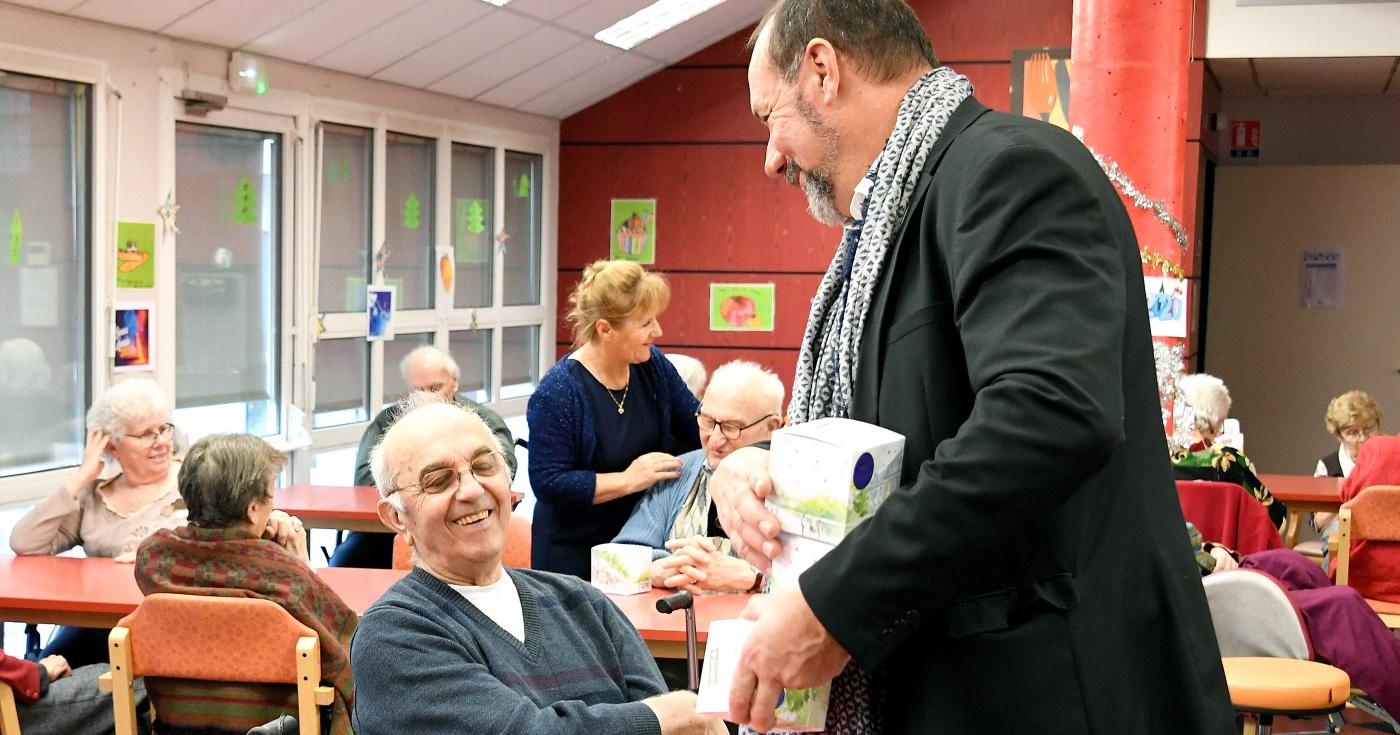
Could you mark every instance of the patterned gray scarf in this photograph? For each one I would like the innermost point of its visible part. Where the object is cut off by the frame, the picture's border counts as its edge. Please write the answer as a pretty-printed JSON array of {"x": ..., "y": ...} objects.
[{"x": 826, "y": 367}]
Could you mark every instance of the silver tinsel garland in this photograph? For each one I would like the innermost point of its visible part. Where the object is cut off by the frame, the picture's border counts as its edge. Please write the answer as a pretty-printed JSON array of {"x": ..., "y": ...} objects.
[
  {"x": 1141, "y": 200},
  {"x": 1170, "y": 361}
]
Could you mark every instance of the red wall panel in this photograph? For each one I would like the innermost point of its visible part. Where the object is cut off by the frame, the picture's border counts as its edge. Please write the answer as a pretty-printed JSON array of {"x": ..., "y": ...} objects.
[
  {"x": 783, "y": 363},
  {"x": 987, "y": 30},
  {"x": 729, "y": 52},
  {"x": 715, "y": 208},
  {"x": 679, "y": 104},
  {"x": 990, "y": 82}
]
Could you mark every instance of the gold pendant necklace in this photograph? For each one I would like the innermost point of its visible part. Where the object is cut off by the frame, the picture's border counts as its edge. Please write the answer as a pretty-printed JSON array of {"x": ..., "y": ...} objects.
[{"x": 618, "y": 403}]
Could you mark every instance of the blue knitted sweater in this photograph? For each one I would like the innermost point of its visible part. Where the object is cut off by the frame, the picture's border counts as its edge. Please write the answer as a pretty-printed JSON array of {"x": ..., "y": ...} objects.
[{"x": 428, "y": 662}]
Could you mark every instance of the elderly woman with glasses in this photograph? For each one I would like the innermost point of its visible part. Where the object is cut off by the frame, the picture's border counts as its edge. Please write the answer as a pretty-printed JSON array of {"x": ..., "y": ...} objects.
[
  {"x": 236, "y": 545},
  {"x": 129, "y": 423},
  {"x": 1352, "y": 417},
  {"x": 607, "y": 420}
]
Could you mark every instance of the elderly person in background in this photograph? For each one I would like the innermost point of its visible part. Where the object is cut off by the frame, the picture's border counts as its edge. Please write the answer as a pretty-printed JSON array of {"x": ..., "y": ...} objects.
[
  {"x": 426, "y": 368},
  {"x": 464, "y": 645},
  {"x": 691, "y": 370},
  {"x": 743, "y": 405},
  {"x": 1209, "y": 402},
  {"x": 54, "y": 698},
  {"x": 1352, "y": 418},
  {"x": 130, "y": 423},
  {"x": 607, "y": 420},
  {"x": 236, "y": 545}
]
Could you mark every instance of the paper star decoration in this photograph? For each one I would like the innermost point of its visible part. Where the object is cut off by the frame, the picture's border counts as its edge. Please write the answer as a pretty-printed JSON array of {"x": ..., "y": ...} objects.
[{"x": 167, "y": 212}]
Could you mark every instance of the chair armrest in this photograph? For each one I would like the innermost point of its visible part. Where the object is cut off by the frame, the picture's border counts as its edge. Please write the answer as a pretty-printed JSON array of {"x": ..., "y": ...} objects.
[
  {"x": 1332, "y": 540},
  {"x": 324, "y": 695},
  {"x": 104, "y": 682}
]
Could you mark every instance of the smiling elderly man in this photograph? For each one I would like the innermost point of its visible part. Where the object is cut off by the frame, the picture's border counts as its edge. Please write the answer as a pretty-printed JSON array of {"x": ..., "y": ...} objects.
[
  {"x": 743, "y": 405},
  {"x": 463, "y": 645}
]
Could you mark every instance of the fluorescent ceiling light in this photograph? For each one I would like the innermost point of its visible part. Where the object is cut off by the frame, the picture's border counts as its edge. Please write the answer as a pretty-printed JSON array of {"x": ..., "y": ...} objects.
[
  {"x": 652, "y": 20},
  {"x": 497, "y": 3}
]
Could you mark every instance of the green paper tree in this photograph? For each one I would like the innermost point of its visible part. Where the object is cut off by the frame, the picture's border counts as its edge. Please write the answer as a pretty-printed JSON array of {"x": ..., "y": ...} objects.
[
  {"x": 16, "y": 239},
  {"x": 412, "y": 212},
  {"x": 476, "y": 217},
  {"x": 245, "y": 203},
  {"x": 522, "y": 187}
]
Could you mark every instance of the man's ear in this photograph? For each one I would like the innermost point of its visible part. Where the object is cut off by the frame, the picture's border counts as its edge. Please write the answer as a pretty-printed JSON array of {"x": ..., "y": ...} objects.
[
  {"x": 393, "y": 519},
  {"x": 822, "y": 56}
]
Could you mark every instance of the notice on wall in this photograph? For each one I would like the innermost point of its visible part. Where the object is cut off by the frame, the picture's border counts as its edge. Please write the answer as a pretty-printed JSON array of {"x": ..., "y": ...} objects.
[
  {"x": 1166, "y": 306},
  {"x": 38, "y": 297},
  {"x": 1321, "y": 285},
  {"x": 1244, "y": 138}
]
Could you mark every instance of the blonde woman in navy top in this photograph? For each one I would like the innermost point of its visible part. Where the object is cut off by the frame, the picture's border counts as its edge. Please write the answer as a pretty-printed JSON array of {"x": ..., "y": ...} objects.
[{"x": 608, "y": 420}]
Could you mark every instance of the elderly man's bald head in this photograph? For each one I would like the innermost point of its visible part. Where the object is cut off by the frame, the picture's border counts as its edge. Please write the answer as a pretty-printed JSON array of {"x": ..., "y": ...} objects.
[{"x": 430, "y": 368}]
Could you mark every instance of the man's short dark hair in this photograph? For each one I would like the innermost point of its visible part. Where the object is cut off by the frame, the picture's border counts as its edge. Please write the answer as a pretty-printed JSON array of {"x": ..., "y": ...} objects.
[
  {"x": 223, "y": 474},
  {"x": 883, "y": 37}
]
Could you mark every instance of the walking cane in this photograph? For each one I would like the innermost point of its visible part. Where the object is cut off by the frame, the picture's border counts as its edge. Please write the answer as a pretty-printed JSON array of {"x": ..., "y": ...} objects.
[{"x": 684, "y": 601}]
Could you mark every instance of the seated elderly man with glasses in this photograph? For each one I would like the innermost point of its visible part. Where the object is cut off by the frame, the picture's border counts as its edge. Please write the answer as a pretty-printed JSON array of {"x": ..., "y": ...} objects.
[
  {"x": 463, "y": 645},
  {"x": 743, "y": 405}
]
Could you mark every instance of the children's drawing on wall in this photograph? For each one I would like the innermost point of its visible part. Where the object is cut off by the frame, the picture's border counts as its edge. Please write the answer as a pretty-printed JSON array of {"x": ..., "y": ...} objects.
[
  {"x": 741, "y": 307},
  {"x": 136, "y": 245},
  {"x": 634, "y": 230},
  {"x": 131, "y": 338},
  {"x": 1040, "y": 84},
  {"x": 380, "y": 301},
  {"x": 1166, "y": 306}
]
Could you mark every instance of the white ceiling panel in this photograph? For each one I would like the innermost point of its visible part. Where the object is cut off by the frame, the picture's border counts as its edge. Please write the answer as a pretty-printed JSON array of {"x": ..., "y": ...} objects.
[
  {"x": 459, "y": 49},
  {"x": 515, "y": 58},
  {"x": 592, "y": 86},
  {"x": 403, "y": 35},
  {"x": 53, "y": 6},
  {"x": 702, "y": 30},
  {"x": 232, "y": 23},
  {"x": 148, "y": 15},
  {"x": 599, "y": 14},
  {"x": 325, "y": 27},
  {"x": 551, "y": 73},
  {"x": 545, "y": 9}
]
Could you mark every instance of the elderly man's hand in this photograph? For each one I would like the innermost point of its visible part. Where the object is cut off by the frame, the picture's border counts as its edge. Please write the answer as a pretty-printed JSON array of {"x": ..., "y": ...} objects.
[
  {"x": 700, "y": 566},
  {"x": 56, "y": 666},
  {"x": 676, "y": 713},
  {"x": 787, "y": 649},
  {"x": 738, "y": 488}
]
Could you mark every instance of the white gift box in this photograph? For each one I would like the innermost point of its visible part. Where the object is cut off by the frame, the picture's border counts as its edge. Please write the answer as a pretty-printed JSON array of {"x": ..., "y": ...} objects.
[
  {"x": 831, "y": 474},
  {"x": 621, "y": 569},
  {"x": 798, "y": 555},
  {"x": 799, "y": 710}
]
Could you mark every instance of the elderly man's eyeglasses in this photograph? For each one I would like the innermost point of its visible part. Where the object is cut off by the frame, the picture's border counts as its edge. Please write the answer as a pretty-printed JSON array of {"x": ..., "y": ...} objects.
[
  {"x": 164, "y": 431},
  {"x": 434, "y": 480},
  {"x": 727, "y": 429},
  {"x": 1360, "y": 432}
]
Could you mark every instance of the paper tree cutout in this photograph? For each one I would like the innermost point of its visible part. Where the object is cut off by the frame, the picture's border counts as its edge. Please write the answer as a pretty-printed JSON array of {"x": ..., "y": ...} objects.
[
  {"x": 412, "y": 212},
  {"x": 522, "y": 187},
  {"x": 16, "y": 239},
  {"x": 245, "y": 203},
  {"x": 476, "y": 217}
]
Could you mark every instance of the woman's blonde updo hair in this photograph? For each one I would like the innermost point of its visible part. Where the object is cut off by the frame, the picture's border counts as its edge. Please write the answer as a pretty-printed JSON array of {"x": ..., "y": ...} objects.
[
  {"x": 1352, "y": 407},
  {"x": 614, "y": 290}
]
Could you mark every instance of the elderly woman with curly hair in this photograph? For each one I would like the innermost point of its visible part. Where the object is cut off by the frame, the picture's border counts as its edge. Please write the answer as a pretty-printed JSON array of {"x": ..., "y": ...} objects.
[
  {"x": 1352, "y": 417},
  {"x": 232, "y": 548},
  {"x": 1208, "y": 402},
  {"x": 129, "y": 423}
]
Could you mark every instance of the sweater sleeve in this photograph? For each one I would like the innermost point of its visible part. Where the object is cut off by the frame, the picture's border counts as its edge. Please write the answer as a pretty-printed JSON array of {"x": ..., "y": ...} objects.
[
  {"x": 51, "y": 527},
  {"x": 373, "y": 433},
  {"x": 498, "y": 427},
  {"x": 651, "y": 521},
  {"x": 559, "y": 471},
  {"x": 445, "y": 691},
  {"x": 639, "y": 671}
]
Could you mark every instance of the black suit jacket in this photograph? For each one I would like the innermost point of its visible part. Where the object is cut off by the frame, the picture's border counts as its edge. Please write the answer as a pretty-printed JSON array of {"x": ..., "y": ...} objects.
[{"x": 1032, "y": 574}]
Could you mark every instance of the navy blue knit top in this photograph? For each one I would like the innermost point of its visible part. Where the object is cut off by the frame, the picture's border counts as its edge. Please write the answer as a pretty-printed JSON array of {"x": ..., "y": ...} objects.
[{"x": 570, "y": 443}]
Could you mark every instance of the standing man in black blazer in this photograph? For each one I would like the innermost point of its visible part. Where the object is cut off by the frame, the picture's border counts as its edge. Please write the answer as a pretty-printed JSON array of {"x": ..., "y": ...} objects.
[{"x": 1032, "y": 573}]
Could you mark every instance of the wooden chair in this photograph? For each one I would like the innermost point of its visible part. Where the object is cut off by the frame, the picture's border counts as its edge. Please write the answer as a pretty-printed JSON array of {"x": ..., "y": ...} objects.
[
  {"x": 1372, "y": 516},
  {"x": 229, "y": 639},
  {"x": 517, "y": 552},
  {"x": 9, "y": 714}
]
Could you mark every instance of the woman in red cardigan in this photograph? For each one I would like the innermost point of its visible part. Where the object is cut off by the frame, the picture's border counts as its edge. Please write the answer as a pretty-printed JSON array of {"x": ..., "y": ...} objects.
[
  {"x": 55, "y": 698},
  {"x": 1375, "y": 565}
]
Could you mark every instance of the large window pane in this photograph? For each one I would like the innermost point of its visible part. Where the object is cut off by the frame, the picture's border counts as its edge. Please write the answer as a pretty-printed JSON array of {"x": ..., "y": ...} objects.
[
  {"x": 471, "y": 348},
  {"x": 334, "y": 466},
  {"x": 473, "y": 203},
  {"x": 520, "y": 361},
  {"x": 342, "y": 382},
  {"x": 394, "y": 352},
  {"x": 227, "y": 279},
  {"x": 523, "y": 223},
  {"x": 346, "y": 164},
  {"x": 44, "y": 134},
  {"x": 409, "y": 226}
]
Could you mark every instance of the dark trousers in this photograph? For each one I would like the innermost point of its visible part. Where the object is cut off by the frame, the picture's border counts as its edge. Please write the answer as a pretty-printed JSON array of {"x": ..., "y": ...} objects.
[
  {"x": 365, "y": 550},
  {"x": 81, "y": 646}
]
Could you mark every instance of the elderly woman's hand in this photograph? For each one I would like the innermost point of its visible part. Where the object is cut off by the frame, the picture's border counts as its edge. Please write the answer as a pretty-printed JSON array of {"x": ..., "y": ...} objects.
[
  {"x": 91, "y": 467},
  {"x": 287, "y": 532}
]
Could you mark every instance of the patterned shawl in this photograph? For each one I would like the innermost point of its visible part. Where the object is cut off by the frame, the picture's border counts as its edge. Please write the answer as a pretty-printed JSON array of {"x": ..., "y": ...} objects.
[{"x": 232, "y": 563}]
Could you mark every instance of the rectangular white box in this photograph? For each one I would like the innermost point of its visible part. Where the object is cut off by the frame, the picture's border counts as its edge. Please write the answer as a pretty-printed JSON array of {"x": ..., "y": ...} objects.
[
  {"x": 831, "y": 474},
  {"x": 800, "y": 710},
  {"x": 621, "y": 569},
  {"x": 798, "y": 555}
]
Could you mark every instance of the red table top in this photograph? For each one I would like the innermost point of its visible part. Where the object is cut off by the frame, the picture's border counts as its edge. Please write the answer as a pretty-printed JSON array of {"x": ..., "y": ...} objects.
[
  {"x": 655, "y": 626},
  {"x": 1290, "y": 488},
  {"x": 359, "y": 502}
]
